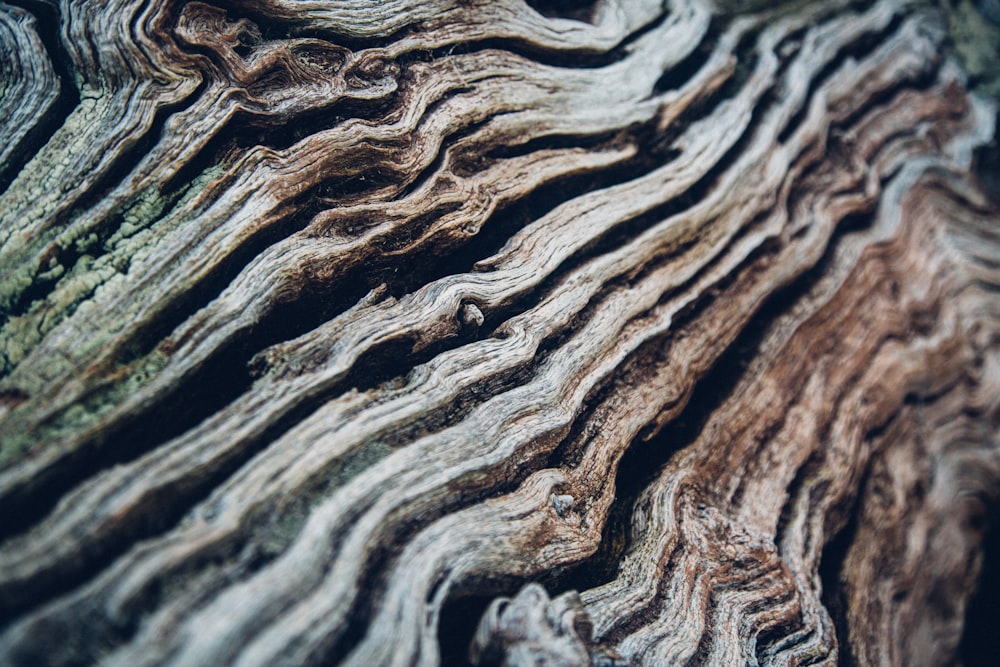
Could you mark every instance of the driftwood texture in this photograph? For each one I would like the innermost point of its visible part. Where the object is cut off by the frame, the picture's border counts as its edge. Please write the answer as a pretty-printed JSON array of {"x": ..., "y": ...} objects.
[{"x": 417, "y": 331}]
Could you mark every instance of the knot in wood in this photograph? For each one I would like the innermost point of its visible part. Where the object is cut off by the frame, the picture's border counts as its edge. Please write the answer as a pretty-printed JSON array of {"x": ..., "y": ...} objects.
[
  {"x": 369, "y": 68},
  {"x": 562, "y": 504},
  {"x": 470, "y": 315}
]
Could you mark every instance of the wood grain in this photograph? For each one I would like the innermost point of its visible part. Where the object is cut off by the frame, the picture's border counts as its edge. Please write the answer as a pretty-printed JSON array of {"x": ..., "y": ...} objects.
[{"x": 392, "y": 333}]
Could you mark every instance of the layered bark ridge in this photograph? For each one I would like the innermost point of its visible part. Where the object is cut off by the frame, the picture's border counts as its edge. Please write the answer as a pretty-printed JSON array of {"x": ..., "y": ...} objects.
[{"x": 645, "y": 333}]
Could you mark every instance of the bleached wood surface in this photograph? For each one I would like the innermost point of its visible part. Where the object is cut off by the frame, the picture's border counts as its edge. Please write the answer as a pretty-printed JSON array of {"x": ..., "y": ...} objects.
[{"x": 646, "y": 333}]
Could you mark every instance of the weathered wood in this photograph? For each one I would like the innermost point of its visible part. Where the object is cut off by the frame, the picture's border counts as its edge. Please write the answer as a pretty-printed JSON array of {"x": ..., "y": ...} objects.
[{"x": 636, "y": 332}]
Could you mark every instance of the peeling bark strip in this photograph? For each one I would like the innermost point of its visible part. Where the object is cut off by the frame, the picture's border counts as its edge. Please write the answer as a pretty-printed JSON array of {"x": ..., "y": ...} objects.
[{"x": 636, "y": 332}]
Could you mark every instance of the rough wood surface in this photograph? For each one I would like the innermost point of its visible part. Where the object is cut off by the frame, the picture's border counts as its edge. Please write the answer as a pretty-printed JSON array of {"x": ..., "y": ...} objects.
[{"x": 365, "y": 332}]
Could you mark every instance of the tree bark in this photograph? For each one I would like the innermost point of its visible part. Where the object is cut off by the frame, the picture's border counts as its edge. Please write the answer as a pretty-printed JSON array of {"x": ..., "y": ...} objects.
[{"x": 419, "y": 332}]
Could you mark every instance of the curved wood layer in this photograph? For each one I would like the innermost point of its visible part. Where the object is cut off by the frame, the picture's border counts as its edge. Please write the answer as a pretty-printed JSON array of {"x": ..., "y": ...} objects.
[{"x": 642, "y": 333}]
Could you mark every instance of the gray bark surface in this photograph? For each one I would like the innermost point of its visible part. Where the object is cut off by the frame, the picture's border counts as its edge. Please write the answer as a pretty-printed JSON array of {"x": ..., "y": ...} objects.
[{"x": 443, "y": 331}]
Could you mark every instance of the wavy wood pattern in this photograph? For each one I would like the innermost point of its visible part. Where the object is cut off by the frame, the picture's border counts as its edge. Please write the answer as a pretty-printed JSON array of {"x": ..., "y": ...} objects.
[{"x": 396, "y": 333}]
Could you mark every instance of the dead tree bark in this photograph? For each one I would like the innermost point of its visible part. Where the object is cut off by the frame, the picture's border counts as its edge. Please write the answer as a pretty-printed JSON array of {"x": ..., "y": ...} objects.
[{"x": 418, "y": 331}]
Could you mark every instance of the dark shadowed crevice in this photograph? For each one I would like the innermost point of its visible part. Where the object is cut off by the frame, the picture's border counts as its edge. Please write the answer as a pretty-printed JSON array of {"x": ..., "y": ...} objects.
[
  {"x": 677, "y": 76},
  {"x": 282, "y": 131},
  {"x": 986, "y": 164},
  {"x": 831, "y": 573},
  {"x": 565, "y": 9},
  {"x": 982, "y": 615},
  {"x": 459, "y": 619}
]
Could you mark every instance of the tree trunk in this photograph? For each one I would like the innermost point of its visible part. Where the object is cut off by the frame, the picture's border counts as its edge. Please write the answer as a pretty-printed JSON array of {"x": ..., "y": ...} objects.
[{"x": 418, "y": 332}]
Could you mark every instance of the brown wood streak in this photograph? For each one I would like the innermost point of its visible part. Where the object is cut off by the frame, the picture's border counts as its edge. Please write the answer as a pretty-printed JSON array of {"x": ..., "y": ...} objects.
[{"x": 449, "y": 265}]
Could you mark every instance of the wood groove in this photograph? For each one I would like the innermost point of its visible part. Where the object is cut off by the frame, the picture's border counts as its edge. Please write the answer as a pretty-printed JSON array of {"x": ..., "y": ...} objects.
[{"x": 647, "y": 332}]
